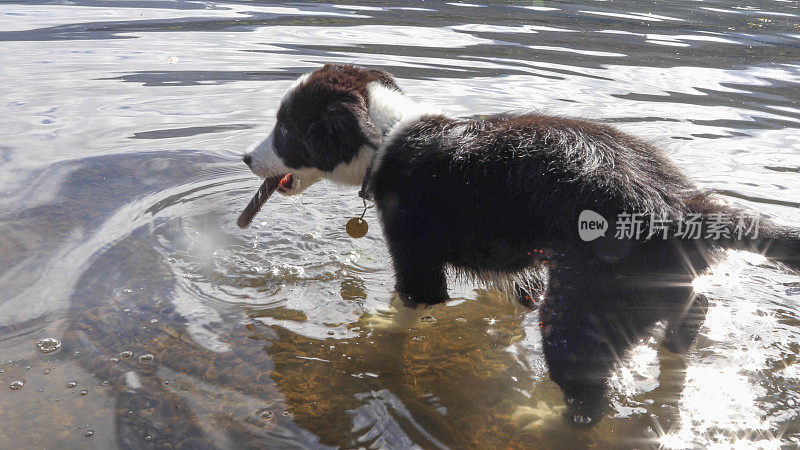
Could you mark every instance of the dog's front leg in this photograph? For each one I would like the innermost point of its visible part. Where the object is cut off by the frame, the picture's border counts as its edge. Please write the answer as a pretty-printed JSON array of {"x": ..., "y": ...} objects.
[
  {"x": 420, "y": 281},
  {"x": 418, "y": 250},
  {"x": 419, "y": 270}
]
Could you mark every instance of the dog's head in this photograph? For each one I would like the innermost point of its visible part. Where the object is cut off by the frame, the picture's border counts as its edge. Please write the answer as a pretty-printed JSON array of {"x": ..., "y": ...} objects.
[{"x": 323, "y": 130}]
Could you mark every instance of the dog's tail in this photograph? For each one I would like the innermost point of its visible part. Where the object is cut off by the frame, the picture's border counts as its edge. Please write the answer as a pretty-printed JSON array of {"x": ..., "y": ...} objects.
[{"x": 725, "y": 226}]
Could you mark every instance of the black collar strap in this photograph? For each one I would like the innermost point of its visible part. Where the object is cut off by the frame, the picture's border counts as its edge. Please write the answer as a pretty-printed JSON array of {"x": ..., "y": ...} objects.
[{"x": 366, "y": 186}]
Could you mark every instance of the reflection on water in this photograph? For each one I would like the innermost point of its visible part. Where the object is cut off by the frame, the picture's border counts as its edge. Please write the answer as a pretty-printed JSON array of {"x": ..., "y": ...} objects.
[{"x": 135, "y": 313}]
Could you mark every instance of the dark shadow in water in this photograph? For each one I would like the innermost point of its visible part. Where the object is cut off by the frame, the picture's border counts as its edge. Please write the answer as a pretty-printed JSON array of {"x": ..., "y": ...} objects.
[
  {"x": 187, "y": 395},
  {"x": 197, "y": 77},
  {"x": 189, "y": 131}
]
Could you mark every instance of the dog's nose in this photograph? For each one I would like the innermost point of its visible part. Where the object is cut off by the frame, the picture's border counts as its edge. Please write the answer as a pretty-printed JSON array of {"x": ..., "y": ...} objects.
[{"x": 247, "y": 159}]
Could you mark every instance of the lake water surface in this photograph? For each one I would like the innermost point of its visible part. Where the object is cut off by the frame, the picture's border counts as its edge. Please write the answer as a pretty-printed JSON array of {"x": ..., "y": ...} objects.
[{"x": 121, "y": 180}]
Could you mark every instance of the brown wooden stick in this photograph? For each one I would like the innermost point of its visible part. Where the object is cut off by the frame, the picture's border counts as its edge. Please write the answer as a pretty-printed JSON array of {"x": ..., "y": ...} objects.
[{"x": 264, "y": 192}]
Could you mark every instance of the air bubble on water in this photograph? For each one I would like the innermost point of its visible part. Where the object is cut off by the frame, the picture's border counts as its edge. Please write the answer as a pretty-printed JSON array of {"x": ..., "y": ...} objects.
[
  {"x": 112, "y": 359},
  {"x": 265, "y": 413},
  {"x": 577, "y": 418},
  {"x": 460, "y": 320},
  {"x": 126, "y": 354},
  {"x": 287, "y": 413},
  {"x": 72, "y": 384},
  {"x": 428, "y": 319},
  {"x": 127, "y": 291},
  {"x": 84, "y": 392},
  {"x": 146, "y": 358},
  {"x": 89, "y": 433},
  {"x": 16, "y": 385}
]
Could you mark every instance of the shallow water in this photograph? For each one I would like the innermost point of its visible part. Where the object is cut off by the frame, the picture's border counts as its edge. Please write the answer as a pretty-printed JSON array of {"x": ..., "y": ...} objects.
[{"x": 121, "y": 183}]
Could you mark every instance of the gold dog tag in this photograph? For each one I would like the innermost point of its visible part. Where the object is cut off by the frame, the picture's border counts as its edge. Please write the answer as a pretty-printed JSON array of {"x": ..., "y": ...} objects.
[{"x": 357, "y": 227}]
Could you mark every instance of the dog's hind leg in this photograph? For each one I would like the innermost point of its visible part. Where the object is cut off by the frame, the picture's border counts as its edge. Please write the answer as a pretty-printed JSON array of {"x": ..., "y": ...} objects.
[
  {"x": 590, "y": 320},
  {"x": 684, "y": 325},
  {"x": 579, "y": 356}
]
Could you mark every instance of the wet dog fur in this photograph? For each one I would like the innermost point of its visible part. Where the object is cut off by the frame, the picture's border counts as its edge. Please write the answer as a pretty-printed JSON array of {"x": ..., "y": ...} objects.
[{"x": 499, "y": 197}]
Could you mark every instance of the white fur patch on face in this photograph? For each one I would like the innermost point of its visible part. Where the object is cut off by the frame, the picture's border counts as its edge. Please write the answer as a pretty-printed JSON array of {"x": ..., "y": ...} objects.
[{"x": 265, "y": 162}]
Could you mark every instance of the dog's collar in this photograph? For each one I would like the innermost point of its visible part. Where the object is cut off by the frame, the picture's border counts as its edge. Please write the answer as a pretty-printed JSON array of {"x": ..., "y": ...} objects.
[{"x": 366, "y": 186}]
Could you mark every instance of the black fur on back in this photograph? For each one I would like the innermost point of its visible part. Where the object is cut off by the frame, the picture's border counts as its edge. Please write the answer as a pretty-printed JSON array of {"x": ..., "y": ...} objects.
[{"x": 486, "y": 192}]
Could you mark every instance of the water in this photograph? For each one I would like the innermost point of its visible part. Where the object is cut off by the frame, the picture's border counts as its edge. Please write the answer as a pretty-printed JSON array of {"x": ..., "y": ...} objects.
[{"x": 121, "y": 182}]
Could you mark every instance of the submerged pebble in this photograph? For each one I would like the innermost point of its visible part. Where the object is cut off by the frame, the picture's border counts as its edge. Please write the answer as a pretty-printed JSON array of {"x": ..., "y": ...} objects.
[{"x": 48, "y": 346}]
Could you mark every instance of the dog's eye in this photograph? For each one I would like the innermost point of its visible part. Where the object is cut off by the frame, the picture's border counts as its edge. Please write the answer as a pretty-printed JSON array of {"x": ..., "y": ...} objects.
[{"x": 280, "y": 136}]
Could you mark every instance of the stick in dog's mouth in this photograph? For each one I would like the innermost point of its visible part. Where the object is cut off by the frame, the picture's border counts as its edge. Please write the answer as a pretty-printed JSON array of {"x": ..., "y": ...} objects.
[{"x": 264, "y": 192}]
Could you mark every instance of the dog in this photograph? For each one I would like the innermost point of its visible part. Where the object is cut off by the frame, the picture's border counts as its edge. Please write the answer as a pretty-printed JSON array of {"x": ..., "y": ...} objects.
[{"x": 501, "y": 197}]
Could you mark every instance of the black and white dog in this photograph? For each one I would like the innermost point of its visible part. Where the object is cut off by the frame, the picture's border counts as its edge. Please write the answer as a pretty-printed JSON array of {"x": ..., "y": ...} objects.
[{"x": 500, "y": 197}]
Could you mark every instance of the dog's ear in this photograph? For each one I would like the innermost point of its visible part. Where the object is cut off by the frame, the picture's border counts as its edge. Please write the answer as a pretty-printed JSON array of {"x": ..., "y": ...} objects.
[{"x": 339, "y": 135}]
